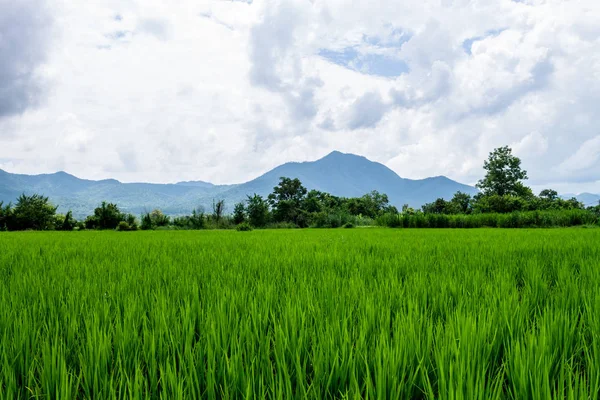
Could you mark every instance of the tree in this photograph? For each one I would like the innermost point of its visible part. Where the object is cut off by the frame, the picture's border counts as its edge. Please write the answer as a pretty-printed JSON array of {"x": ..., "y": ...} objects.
[
  {"x": 549, "y": 195},
  {"x": 504, "y": 174},
  {"x": 286, "y": 199},
  {"x": 157, "y": 219},
  {"x": 6, "y": 216},
  {"x": 34, "y": 212},
  {"x": 218, "y": 209},
  {"x": 370, "y": 205},
  {"x": 239, "y": 213},
  {"x": 65, "y": 222},
  {"x": 146, "y": 222},
  {"x": 197, "y": 219},
  {"x": 439, "y": 206},
  {"x": 316, "y": 201},
  {"x": 257, "y": 209},
  {"x": 461, "y": 203},
  {"x": 132, "y": 222},
  {"x": 107, "y": 216}
]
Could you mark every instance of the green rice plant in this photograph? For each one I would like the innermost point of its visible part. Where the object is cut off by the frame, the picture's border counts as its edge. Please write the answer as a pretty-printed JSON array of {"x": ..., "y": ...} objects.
[{"x": 307, "y": 314}]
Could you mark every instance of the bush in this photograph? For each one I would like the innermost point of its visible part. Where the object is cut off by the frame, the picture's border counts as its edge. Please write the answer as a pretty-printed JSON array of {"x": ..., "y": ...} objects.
[
  {"x": 244, "y": 227},
  {"x": 517, "y": 219},
  {"x": 348, "y": 225},
  {"x": 123, "y": 226}
]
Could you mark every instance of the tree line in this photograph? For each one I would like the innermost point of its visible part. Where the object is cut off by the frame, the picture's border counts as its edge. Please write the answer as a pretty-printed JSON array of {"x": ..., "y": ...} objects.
[
  {"x": 503, "y": 201},
  {"x": 289, "y": 205}
]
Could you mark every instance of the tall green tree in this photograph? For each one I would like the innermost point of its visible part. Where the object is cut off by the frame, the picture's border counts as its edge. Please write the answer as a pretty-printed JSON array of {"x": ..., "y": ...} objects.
[
  {"x": 461, "y": 203},
  {"x": 504, "y": 174},
  {"x": 67, "y": 223},
  {"x": 218, "y": 209},
  {"x": 239, "y": 213},
  {"x": 107, "y": 216},
  {"x": 34, "y": 212},
  {"x": 287, "y": 199},
  {"x": 257, "y": 209}
]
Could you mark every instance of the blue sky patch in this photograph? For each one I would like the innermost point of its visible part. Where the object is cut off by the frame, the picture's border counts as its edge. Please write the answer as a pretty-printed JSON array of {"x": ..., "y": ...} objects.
[
  {"x": 370, "y": 63},
  {"x": 468, "y": 43}
]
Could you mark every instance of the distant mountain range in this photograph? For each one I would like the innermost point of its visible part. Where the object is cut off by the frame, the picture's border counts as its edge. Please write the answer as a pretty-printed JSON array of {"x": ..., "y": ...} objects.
[{"x": 340, "y": 174}]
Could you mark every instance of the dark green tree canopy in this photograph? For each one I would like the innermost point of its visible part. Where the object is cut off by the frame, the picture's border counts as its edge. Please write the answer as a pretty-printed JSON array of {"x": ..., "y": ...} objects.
[
  {"x": 370, "y": 205},
  {"x": 287, "y": 200},
  {"x": 34, "y": 212},
  {"x": 549, "y": 194},
  {"x": 239, "y": 213},
  {"x": 257, "y": 210},
  {"x": 504, "y": 174},
  {"x": 288, "y": 189},
  {"x": 107, "y": 216}
]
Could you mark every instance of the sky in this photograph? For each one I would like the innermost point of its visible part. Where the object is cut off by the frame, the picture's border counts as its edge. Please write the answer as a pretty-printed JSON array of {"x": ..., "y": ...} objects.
[{"x": 224, "y": 90}]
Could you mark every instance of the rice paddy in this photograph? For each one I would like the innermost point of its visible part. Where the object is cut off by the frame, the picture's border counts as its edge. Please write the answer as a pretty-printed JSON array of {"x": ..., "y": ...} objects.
[{"x": 305, "y": 314}]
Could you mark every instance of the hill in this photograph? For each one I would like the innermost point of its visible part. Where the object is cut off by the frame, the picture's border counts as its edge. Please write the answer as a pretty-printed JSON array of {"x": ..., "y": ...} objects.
[
  {"x": 340, "y": 174},
  {"x": 588, "y": 199}
]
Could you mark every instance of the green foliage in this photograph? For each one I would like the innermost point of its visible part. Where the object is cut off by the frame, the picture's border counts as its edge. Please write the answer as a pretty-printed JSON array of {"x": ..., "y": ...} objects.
[
  {"x": 257, "y": 209},
  {"x": 371, "y": 205},
  {"x": 69, "y": 222},
  {"x": 33, "y": 212},
  {"x": 218, "y": 210},
  {"x": 131, "y": 221},
  {"x": 312, "y": 314},
  {"x": 195, "y": 221},
  {"x": 495, "y": 203},
  {"x": 461, "y": 203},
  {"x": 504, "y": 174},
  {"x": 281, "y": 225},
  {"x": 287, "y": 200},
  {"x": 244, "y": 227},
  {"x": 155, "y": 219},
  {"x": 159, "y": 219},
  {"x": 517, "y": 219},
  {"x": 123, "y": 226},
  {"x": 64, "y": 222},
  {"x": 146, "y": 222},
  {"x": 107, "y": 216},
  {"x": 239, "y": 213},
  {"x": 6, "y": 216}
]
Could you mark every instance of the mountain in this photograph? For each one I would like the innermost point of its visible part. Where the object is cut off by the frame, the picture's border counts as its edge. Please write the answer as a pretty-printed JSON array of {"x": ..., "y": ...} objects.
[
  {"x": 340, "y": 174},
  {"x": 588, "y": 199},
  {"x": 349, "y": 175},
  {"x": 201, "y": 184}
]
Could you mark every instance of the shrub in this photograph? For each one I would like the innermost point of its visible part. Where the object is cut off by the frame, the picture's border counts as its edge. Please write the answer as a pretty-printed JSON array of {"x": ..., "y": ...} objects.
[
  {"x": 123, "y": 226},
  {"x": 348, "y": 225},
  {"x": 517, "y": 219},
  {"x": 244, "y": 227}
]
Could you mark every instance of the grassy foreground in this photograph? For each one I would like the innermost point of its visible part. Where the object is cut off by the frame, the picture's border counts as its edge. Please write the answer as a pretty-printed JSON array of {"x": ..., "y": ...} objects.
[{"x": 365, "y": 313}]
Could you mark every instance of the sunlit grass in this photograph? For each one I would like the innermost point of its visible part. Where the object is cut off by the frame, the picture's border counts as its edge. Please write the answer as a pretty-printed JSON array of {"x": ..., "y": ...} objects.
[{"x": 377, "y": 313}]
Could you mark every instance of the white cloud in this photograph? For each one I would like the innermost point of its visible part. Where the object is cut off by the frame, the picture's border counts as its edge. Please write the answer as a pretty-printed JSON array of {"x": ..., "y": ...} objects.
[{"x": 224, "y": 90}]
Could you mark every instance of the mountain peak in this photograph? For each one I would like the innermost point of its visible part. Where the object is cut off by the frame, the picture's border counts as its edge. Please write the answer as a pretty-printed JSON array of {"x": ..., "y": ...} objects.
[
  {"x": 63, "y": 174},
  {"x": 338, "y": 154}
]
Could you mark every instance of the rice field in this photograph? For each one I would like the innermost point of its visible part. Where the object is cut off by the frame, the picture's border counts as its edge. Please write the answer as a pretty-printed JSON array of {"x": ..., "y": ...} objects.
[{"x": 304, "y": 314}]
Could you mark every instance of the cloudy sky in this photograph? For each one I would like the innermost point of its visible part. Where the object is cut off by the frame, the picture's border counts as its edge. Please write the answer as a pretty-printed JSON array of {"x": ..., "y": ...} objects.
[{"x": 145, "y": 90}]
